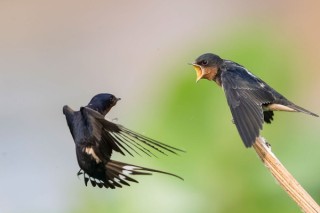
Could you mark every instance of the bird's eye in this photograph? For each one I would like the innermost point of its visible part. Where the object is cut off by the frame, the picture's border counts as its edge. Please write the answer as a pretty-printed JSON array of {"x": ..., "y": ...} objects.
[{"x": 204, "y": 62}]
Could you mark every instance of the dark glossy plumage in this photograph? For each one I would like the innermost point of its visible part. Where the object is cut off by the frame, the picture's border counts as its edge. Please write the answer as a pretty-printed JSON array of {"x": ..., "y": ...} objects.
[
  {"x": 96, "y": 138},
  {"x": 250, "y": 99}
]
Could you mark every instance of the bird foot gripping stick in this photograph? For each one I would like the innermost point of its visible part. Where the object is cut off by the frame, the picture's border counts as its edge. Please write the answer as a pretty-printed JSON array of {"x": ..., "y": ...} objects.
[{"x": 251, "y": 100}]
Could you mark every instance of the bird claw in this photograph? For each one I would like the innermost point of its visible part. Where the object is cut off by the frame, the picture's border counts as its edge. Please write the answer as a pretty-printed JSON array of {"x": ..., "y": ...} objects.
[
  {"x": 79, "y": 173},
  {"x": 268, "y": 144}
]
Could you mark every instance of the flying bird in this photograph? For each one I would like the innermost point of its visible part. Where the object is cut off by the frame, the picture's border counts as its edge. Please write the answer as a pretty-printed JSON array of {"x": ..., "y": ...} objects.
[
  {"x": 96, "y": 139},
  {"x": 250, "y": 99}
]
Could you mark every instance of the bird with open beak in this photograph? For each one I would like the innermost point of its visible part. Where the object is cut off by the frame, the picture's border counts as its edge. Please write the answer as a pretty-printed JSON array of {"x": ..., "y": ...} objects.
[
  {"x": 250, "y": 99},
  {"x": 96, "y": 139}
]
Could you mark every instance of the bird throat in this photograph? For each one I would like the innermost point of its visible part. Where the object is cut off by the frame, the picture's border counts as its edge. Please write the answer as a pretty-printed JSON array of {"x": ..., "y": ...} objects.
[
  {"x": 212, "y": 74},
  {"x": 215, "y": 75}
]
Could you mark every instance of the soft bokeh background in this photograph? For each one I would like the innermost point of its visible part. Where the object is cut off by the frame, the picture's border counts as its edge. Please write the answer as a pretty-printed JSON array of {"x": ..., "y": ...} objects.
[{"x": 63, "y": 52}]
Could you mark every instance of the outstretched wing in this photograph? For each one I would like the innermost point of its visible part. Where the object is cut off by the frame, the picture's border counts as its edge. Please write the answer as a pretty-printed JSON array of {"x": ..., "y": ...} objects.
[
  {"x": 118, "y": 138},
  {"x": 245, "y": 95}
]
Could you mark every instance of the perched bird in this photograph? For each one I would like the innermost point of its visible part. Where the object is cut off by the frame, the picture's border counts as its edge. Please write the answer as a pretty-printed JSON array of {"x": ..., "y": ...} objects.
[
  {"x": 96, "y": 138},
  {"x": 250, "y": 99}
]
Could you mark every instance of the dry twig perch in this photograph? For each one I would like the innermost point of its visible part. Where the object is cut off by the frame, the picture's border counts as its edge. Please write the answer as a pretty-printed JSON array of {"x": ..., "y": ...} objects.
[{"x": 284, "y": 178}]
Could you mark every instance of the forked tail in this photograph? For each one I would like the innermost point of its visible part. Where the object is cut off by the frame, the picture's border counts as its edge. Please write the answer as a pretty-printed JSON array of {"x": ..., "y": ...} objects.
[
  {"x": 118, "y": 174},
  {"x": 300, "y": 109}
]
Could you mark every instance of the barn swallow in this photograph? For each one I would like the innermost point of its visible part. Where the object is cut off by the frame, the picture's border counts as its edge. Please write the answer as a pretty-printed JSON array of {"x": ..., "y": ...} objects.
[
  {"x": 96, "y": 138},
  {"x": 250, "y": 99}
]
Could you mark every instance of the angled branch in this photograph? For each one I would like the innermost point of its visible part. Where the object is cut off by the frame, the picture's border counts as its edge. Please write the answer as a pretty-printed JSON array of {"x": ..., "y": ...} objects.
[{"x": 284, "y": 178}]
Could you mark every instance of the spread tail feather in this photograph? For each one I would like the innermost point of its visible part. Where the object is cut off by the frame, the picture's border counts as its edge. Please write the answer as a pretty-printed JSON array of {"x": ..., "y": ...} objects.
[{"x": 118, "y": 174}]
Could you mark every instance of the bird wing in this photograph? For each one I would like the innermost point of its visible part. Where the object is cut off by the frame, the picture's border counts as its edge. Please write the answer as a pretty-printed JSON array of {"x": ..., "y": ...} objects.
[
  {"x": 118, "y": 138},
  {"x": 245, "y": 96},
  {"x": 69, "y": 113}
]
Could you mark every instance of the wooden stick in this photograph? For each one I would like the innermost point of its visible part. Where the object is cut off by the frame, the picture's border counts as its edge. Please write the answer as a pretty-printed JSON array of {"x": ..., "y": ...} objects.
[{"x": 285, "y": 179}]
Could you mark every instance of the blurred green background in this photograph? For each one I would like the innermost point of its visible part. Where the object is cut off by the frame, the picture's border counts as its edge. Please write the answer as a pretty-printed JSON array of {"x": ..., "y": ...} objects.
[{"x": 64, "y": 52}]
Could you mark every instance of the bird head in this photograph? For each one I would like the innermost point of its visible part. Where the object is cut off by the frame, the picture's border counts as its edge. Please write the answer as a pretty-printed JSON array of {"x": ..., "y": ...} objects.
[
  {"x": 207, "y": 66},
  {"x": 103, "y": 102}
]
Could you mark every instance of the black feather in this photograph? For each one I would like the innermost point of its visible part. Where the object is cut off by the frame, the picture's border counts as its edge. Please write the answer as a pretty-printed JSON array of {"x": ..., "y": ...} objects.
[{"x": 96, "y": 139}]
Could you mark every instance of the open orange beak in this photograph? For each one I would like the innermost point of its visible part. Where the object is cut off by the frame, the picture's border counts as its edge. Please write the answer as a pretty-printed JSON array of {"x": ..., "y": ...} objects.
[{"x": 199, "y": 71}]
